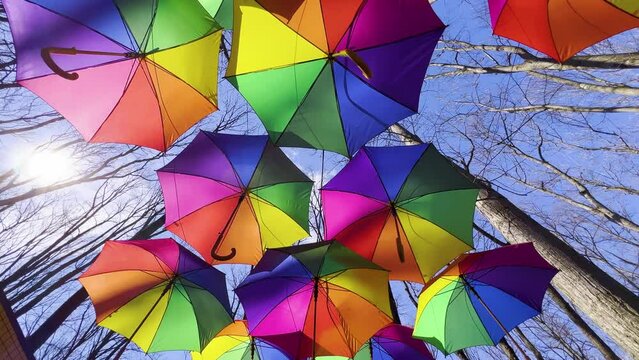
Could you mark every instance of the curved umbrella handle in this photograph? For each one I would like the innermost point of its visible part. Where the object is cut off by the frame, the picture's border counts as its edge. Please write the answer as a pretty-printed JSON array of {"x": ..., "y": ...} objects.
[
  {"x": 219, "y": 257},
  {"x": 45, "y": 53},
  {"x": 358, "y": 60}
]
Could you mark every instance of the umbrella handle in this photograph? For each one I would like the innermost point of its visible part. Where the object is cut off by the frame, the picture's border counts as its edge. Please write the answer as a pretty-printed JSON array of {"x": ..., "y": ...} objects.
[
  {"x": 358, "y": 60},
  {"x": 219, "y": 257},
  {"x": 45, "y": 53}
]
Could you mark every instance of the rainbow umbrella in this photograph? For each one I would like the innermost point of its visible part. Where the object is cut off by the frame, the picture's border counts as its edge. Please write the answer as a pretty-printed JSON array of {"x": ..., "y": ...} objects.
[
  {"x": 315, "y": 299},
  {"x": 232, "y": 196},
  {"x": 157, "y": 294},
  {"x": 134, "y": 72},
  {"x": 235, "y": 343},
  {"x": 331, "y": 74},
  {"x": 394, "y": 342},
  {"x": 559, "y": 28},
  {"x": 405, "y": 208},
  {"x": 482, "y": 296}
]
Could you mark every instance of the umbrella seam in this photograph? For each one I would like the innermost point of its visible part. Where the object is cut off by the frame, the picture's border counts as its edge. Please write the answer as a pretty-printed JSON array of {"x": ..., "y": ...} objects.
[{"x": 81, "y": 24}]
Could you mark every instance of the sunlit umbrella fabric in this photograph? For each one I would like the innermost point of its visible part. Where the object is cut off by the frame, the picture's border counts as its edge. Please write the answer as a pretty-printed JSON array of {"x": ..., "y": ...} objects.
[
  {"x": 233, "y": 196},
  {"x": 125, "y": 71},
  {"x": 158, "y": 294},
  {"x": 405, "y": 208},
  {"x": 316, "y": 299},
  {"x": 329, "y": 74},
  {"x": 481, "y": 296},
  {"x": 560, "y": 28}
]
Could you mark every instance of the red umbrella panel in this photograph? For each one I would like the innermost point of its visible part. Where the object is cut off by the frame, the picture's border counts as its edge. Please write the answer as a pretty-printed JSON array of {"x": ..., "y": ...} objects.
[{"x": 559, "y": 28}]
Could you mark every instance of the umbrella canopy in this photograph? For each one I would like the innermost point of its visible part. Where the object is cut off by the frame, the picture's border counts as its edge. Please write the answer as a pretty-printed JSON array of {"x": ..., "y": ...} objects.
[
  {"x": 331, "y": 74},
  {"x": 559, "y": 28},
  {"x": 232, "y": 196},
  {"x": 117, "y": 73},
  {"x": 394, "y": 342},
  {"x": 316, "y": 299},
  {"x": 235, "y": 343},
  {"x": 629, "y": 6},
  {"x": 482, "y": 296},
  {"x": 157, "y": 294},
  {"x": 405, "y": 208},
  {"x": 221, "y": 11}
]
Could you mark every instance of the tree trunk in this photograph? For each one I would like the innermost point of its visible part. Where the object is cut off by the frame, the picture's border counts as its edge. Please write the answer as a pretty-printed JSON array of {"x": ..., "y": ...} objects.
[
  {"x": 597, "y": 341},
  {"x": 508, "y": 350},
  {"x": 462, "y": 355},
  {"x": 529, "y": 344},
  {"x": 610, "y": 305}
]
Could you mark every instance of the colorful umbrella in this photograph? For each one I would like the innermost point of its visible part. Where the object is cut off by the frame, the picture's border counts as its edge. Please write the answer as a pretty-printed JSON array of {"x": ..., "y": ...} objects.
[
  {"x": 405, "y": 208},
  {"x": 232, "y": 196},
  {"x": 559, "y": 28},
  {"x": 235, "y": 343},
  {"x": 157, "y": 294},
  {"x": 135, "y": 72},
  {"x": 482, "y": 296},
  {"x": 331, "y": 74},
  {"x": 315, "y": 299},
  {"x": 394, "y": 342}
]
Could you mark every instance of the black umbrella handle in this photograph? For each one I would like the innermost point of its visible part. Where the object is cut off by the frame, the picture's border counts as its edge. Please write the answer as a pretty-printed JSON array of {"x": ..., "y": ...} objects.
[
  {"x": 219, "y": 257},
  {"x": 45, "y": 53},
  {"x": 224, "y": 231}
]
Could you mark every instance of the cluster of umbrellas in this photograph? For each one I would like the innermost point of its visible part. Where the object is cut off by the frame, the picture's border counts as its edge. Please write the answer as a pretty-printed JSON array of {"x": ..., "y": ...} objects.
[{"x": 321, "y": 74}]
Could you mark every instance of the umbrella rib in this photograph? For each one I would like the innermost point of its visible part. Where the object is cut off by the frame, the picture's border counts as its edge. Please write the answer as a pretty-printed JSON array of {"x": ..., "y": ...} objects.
[
  {"x": 77, "y": 69},
  {"x": 259, "y": 228},
  {"x": 503, "y": 328},
  {"x": 410, "y": 246},
  {"x": 430, "y": 222},
  {"x": 405, "y": 201},
  {"x": 183, "y": 216},
  {"x": 79, "y": 23},
  {"x": 303, "y": 100},
  {"x": 290, "y": 28},
  {"x": 158, "y": 98},
  {"x": 365, "y": 150},
  {"x": 410, "y": 171},
  {"x": 328, "y": 46},
  {"x": 223, "y": 183},
  {"x": 286, "y": 298},
  {"x": 149, "y": 30},
  {"x": 361, "y": 108},
  {"x": 349, "y": 339},
  {"x": 353, "y": 193},
  {"x": 222, "y": 235},
  {"x": 257, "y": 164},
  {"x": 166, "y": 289},
  {"x": 132, "y": 72}
]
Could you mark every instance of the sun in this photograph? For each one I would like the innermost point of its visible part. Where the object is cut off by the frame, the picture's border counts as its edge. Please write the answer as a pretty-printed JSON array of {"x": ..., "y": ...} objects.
[{"x": 46, "y": 167}]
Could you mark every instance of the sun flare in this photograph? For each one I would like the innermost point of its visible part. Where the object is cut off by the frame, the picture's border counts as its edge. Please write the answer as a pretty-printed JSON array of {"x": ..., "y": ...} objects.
[{"x": 46, "y": 167}]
